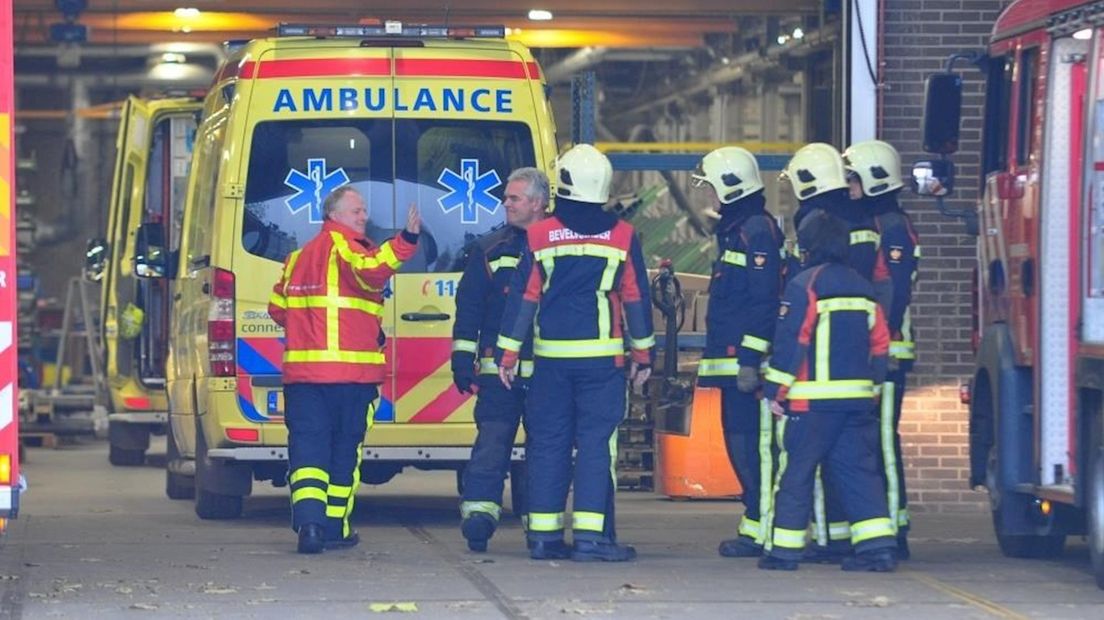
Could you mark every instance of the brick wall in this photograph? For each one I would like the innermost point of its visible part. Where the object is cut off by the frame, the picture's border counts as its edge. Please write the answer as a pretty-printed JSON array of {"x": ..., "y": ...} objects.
[{"x": 918, "y": 37}]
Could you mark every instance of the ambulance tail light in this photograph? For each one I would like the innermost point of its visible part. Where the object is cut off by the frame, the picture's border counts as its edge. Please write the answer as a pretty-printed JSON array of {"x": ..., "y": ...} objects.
[
  {"x": 243, "y": 435},
  {"x": 220, "y": 325},
  {"x": 5, "y": 469}
]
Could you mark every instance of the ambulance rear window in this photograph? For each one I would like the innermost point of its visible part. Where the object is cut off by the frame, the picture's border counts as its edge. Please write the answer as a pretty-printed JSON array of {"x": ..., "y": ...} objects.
[{"x": 454, "y": 170}]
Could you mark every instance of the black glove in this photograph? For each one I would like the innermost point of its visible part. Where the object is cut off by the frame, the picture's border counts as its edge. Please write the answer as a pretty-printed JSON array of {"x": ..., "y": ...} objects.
[
  {"x": 747, "y": 380},
  {"x": 464, "y": 380}
]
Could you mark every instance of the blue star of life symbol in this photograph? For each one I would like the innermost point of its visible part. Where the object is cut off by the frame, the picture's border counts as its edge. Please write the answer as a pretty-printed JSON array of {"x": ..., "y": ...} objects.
[
  {"x": 313, "y": 187},
  {"x": 469, "y": 190}
]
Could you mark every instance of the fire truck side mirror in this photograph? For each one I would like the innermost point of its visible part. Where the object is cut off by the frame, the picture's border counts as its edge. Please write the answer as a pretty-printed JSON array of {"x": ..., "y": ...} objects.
[
  {"x": 933, "y": 178},
  {"x": 942, "y": 112},
  {"x": 95, "y": 257}
]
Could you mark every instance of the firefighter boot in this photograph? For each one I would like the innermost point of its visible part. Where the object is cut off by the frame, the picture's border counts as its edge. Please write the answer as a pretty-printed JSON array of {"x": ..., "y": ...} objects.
[
  {"x": 478, "y": 529},
  {"x": 310, "y": 538},
  {"x": 352, "y": 540},
  {"x": 601, "y": 551},
  {"x": 875, "y": 561},
  {"x": 818, "y": 554},
  {"x": 773, "y": 562},
  {"x": 741, "y": 547},
  {"x": 549, "y": 550}
]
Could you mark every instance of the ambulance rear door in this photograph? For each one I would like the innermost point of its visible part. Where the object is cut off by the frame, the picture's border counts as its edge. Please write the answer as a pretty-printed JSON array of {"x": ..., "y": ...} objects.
[{"x": 464, "y": 119}]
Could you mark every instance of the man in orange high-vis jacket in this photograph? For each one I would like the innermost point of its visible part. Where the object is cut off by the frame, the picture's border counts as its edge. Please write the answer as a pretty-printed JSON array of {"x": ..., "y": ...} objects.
[{"x": 330, "y": 300}]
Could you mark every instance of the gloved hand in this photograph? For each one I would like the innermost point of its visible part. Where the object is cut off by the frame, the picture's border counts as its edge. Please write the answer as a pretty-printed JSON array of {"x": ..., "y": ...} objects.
[
  {"x": 748, "y": 379},
  {"x": 464, "y": 379}
]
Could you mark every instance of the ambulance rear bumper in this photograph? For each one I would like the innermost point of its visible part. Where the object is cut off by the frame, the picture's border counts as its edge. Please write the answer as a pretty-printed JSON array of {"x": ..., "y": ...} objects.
[{"x": 404, "y": 455}]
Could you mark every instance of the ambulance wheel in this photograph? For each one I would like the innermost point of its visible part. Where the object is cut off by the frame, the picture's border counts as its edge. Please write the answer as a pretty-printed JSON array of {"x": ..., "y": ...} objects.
[
  {"x": 1095, "y": 516},
  {"x": 519, "y": 489},
  {"x": 216, "y": 506},
  {"x": 177, "y": 486},
  {"x": 1016, "y": 545},
  {"x": 126, "y": 458}
]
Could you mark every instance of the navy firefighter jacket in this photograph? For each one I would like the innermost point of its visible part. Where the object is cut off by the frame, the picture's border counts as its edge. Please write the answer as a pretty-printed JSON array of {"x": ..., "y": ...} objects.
[
  {"x": 481, "y": 298},
  {"x": 830, "y": 347},
  {"x": 743, "y": 292},
  {"x": 580, "y": 284}
]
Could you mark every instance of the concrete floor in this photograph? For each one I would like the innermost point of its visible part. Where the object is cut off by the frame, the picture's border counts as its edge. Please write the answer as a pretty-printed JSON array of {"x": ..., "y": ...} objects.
[{"x": 95, "y": 541}]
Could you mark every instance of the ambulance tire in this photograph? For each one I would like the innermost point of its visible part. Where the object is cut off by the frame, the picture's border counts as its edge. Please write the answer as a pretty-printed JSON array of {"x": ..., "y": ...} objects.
[
  {"x": 519, "y": 489},
  {"x": 1017, "y": 545},
  {"x": 209, "y": 504},
  {"x": 127, "y": 444},
  {"x": 177, "y": 486}
]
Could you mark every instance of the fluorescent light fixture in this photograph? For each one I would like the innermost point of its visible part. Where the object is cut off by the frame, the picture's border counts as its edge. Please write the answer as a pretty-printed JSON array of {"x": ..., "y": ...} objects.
[
  {"x": 1083, "y": 35},
  {"x": 540, "y": 15},
  {"x": 186, "y": 13},
  {"x": 798, "y": 33},
  {"x": 782, "y": 38},
  {"x": 173, "y": 57}
]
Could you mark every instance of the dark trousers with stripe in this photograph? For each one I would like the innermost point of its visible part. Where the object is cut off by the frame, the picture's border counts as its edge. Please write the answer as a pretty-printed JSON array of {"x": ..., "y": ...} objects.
[
  {"x": 847, "y": 443},
  {"x": 498, "y": 412},
  {"x": 747, "y": 426},
  {"x": 580, "y": 408},
  {"x": 326, "y": 425},
  {"x": 830, "y": 518}
]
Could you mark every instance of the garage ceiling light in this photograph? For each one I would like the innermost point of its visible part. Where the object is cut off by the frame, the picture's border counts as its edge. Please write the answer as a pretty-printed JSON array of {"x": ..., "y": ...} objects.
[
  {"x": 186, "y": 13},
  {"x": 1083, "y": 35},
  {"x": 540, "y": 15}
]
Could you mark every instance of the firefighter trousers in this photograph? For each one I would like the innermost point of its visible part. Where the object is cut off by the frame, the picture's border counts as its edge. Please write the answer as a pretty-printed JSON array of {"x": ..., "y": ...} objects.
[
  {"x": 847, "y": 442},
  {"x": 747, "y": 424},
  {"x": 580, "y": 408},
  {"x": 326, "y": 426},
  {"x": 830, "y": 524},
  {"x": 498, "y": 412}
]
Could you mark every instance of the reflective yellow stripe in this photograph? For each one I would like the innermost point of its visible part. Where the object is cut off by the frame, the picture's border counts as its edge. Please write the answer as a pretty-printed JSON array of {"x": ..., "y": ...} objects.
[
  {"x": 605, "y": 329},
  {"x": 336, "y": 302},
  {"x": 751, "y": 528},
  {"x": 902, "y": 518},
  {"x": 277, "y": 300},
  {"x": 589, "y": 521},
  {"x": 487, "y": 366},
  {"x": 350, "y": 357},
  {"x": 871, "y": 528},
  {"x": 835, "y": 304},
  {"x": 755, "y": 344},
  {"x": 824, "y": 346},
  {"x": 289, "y": 267},
  {"x": 796, "y": 250},
  {"x": 783, "y": 459},
  {"x": 766, "y": 467},
  {"x": 599, "y": 347},
  {"x": 467, "y": 509},
  {"x": 734, "y": 258},
  {"x": 718, "y": 367},
  {"x": 335, "y": 512},
  {"x": 307, "y": 493},
  {"x": 385, "y": 255},
  {"x": 831, "y": 389},
  {"x": 789, "y": 539},
  {"x": 839, "y": 530},
  {"x": 339, "y": 491},
  {"x": 309, "y": 473},
  {"x": 333, "y": 328},
  {"x": 581, "y": 249},
  {"x": 777, "y": 376},
  {"x": 642, "y": 343},
  {"x": 546, "y": 521},
  {"x": 508, "y": 344},
  {"x": 503, "y": 261},
  {"x": 889, "y": 450},
  {"x": 865, "y": 236},
  {"x": 916, "y": 252},
  {"x": 820, "y": 512},
  {"x": 549, "y": 263},
  {"x": 465, "y": 346},
  {"x": 902, "y": 349}
]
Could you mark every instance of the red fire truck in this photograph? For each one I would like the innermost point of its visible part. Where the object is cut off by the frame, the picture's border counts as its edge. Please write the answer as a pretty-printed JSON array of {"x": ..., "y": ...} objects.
[
  {"x": 9, "y": 433},
  {"x": 1036, "y": 404}
]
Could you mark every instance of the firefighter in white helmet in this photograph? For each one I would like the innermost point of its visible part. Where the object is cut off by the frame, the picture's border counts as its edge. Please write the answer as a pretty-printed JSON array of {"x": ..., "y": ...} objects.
[
  {"x": 743, "y": 305},
  {"x": 597, "y": 301},
  {"x": 875, "y": 174},
  {"x": 818, "y": 178}
]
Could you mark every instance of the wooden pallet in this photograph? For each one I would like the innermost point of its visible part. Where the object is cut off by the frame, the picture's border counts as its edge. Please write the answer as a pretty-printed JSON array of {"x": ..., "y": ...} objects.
[{"x": 635, "y": 480}]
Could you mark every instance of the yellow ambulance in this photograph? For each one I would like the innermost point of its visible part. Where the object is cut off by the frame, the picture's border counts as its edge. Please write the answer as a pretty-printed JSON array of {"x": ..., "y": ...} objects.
[
  {"x": 153, "y": 155},
  {"x": 428, "y": 115}
]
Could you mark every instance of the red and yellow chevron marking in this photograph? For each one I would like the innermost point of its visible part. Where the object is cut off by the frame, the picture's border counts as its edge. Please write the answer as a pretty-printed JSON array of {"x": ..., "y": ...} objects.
[
  {"x": 424, "y": 392},
  {"x": 5, "y": 184}
]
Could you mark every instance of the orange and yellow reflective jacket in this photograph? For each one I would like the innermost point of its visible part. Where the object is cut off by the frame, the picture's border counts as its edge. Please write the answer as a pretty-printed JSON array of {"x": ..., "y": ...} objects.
[{"x": 329, "y": 301}]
